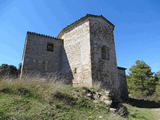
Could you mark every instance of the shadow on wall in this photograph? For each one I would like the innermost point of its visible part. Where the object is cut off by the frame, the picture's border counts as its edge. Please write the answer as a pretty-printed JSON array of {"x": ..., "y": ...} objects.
[
  {"x": 51, "y": 70},
  {"x": 66, "y": 72}
]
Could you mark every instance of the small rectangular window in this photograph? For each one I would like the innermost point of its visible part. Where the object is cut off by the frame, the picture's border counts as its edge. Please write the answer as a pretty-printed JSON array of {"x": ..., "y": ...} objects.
[
  {"x": 50, "y": 47},
  {"x": 75, "y": 70}
]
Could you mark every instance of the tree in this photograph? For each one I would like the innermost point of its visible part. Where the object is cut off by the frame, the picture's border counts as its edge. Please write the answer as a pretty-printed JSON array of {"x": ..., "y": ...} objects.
[
  {"x": 158, "y": 75},
  {"x": 8, "y": 71},
  {"x": 141, "y": 80},
  {"x": 157, "y": 91}
]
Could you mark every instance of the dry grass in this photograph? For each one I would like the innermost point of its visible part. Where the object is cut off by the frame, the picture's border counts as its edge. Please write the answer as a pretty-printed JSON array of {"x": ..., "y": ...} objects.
[
  {"x": 37, "y": 98},
  {"x": 38, "y": 86}
]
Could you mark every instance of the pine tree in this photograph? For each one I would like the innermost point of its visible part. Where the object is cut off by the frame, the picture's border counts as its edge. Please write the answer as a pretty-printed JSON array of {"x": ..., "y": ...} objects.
[
  {"x": 141, "y": 80},
  {"x": 158, "y": 75},
  {"x": 157, "y": 91}
]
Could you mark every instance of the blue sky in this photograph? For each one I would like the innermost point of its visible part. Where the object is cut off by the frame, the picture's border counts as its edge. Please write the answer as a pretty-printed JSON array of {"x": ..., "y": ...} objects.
[{"x": 137, "y": 25}]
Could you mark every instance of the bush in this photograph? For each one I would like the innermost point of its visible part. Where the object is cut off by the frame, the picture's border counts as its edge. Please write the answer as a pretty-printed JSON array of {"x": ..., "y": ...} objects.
[{"x": 8, "y": 71}]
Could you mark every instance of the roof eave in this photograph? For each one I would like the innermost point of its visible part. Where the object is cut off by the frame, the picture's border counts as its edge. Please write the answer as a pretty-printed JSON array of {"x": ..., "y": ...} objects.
[
  {"x": 122, "y": 68},
  {"x": 42, "y": 35},
  {"x": 82, "y": 19}
]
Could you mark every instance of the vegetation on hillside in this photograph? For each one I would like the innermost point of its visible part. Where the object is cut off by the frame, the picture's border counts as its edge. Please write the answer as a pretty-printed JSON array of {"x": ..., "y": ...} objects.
[
  {"x": 23, "y": 100},
  {"x": 142, "y": 82},
  {"x": 9, "y": 71},
  {"x": 35, "y": 100},
  {"x": 156, "y": 95}
]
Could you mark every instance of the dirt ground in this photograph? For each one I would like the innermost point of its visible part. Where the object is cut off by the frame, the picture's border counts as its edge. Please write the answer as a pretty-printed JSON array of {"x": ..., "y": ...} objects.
[{"x": 156, "y": 112}]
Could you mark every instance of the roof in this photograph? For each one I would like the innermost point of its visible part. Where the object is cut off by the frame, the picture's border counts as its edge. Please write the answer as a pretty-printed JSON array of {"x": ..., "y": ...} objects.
[
  {"x": 80, "y": 20},
  {"x": 121, "y": 68},
  {"x": 42, "y": 35}
]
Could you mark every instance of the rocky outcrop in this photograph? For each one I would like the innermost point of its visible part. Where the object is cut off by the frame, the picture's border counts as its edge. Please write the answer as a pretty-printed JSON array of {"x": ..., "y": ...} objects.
[{"x": 101, "y": 96}]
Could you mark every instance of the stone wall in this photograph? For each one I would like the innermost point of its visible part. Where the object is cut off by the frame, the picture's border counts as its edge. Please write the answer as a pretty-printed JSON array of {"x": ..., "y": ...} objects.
[
  {"x": 77, "y": 47},
  {"x": 123, "y": 83},
  {"x": 36, "y": 58},
  {"x": 104, "y": 71},
  {"x": 83, "y": 54}
]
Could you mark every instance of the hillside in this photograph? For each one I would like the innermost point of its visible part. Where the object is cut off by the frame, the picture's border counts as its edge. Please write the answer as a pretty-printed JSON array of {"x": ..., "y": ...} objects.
[{"x": 21, "y": 100}]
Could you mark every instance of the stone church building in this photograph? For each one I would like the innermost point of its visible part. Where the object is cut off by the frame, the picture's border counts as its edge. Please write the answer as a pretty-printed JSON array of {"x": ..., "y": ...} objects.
[{"x": 83, "y": 52}]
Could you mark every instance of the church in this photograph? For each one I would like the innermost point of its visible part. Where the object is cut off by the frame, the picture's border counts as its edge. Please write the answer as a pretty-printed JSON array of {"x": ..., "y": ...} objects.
[{"x": 83, "y": 53}]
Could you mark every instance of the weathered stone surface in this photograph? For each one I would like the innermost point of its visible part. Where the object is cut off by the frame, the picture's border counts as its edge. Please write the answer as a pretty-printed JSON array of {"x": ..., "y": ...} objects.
[
  {"x": 77, "y": 48},
  {"x": 122, "y": 110},
  {"x": 36, "y": 58},
  {"x": 113, "y": 110},
  {"x": 123, "y": 84},
  {"x": 83, "y": 54},
  {"x": 103, "y": 70},
  {"x": 99, "y": 96}
]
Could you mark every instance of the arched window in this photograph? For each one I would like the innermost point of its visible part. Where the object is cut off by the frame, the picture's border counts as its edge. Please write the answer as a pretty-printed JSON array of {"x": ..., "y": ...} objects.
[{"x": 105, "y": 52}]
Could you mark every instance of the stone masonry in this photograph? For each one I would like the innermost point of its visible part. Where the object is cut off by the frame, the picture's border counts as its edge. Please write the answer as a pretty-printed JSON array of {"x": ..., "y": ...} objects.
[{"x": 83, "y": 52}]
